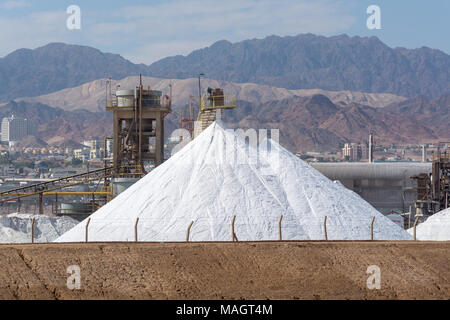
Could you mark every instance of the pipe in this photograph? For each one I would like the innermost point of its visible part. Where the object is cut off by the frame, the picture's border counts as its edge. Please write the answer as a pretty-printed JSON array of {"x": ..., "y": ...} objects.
[
  {"x": 140, "y": 123},
  {"x": 32, "y": 230},
  {"x": 68, "y": 193},
  {"x": 415, "y": 225},
  {"x": 370, "y": 148}
]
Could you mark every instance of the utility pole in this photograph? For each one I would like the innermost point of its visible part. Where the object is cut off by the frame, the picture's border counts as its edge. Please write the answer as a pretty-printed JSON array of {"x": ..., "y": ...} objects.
[
  {"x": 371, "y": 145},
  {"x": 200, "y": 89}
]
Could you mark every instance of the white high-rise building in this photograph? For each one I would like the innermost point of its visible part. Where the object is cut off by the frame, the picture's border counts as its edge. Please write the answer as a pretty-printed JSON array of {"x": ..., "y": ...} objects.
[{"x": 14, "y": 129}]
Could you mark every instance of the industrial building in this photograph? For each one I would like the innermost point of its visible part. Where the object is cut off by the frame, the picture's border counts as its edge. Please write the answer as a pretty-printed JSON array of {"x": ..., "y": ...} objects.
[
  {"x": 14, "y": 129},
  {"x": 355, "y": 152},
  {"x": 433, "y": 189},
  {"x": 137, "y": 144},
  {"x": 387, "y": 186}
]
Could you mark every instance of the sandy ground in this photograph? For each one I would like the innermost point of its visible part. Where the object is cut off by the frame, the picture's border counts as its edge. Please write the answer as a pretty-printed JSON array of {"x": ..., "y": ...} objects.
[{"x": 244, "y": 270}]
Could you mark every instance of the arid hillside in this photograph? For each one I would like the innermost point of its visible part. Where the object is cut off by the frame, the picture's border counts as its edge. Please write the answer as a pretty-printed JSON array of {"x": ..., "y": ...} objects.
[{"x": 91, "y": 95}]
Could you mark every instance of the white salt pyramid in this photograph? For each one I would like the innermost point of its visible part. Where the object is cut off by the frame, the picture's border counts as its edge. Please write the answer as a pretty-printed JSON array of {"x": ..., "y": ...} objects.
[
  {"x": 435, "y": 228},
  {"x": 213, "y": 178}
]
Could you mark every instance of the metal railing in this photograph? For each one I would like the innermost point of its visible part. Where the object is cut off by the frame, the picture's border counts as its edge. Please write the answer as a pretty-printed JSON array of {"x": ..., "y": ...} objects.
[
  {"x": 160, "y": 102},
  {"x": 129, "y": 170},
  {"x": 218, "y": 102}
]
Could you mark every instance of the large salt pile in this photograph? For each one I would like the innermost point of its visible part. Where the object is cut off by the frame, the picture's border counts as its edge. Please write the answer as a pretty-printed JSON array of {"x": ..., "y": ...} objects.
[
  {"x": 435, "y": 228},
  {"x": 213, "y": 179},
  {"x": 16, "y": 227}
]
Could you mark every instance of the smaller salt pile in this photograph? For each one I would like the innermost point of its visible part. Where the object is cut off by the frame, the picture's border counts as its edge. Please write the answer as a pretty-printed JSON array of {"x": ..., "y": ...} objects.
[
  {"x": 435, "y": 228},
  {"x": 16, "y": 228}
]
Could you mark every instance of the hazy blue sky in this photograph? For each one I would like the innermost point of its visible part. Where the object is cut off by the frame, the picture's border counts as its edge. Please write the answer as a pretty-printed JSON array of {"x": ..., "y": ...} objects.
[{"x": 147, "y": 30}]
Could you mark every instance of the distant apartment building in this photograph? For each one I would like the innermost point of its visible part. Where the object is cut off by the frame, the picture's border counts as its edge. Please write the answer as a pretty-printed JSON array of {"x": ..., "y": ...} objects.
[
  {"x": 7, "y": 170},
  {"x": 14, "y": 129},
  {"x": 82, "y": 154},
  {"x": 109, "y": 148},
  {"x": 97, "y": 149},
  {"x": 355, "y": 152},
  {"x": 93, "y": 150}
]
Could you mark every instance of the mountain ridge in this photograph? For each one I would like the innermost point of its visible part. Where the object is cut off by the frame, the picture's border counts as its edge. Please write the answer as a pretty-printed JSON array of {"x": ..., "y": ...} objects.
[
  {"x": 305, "y": 61},
  {"x": 57, "y": 66},
  {"x": 314, "y": 123},
  {"x": 308, "y": 123},
  {"x": 91, "y": 95},
  {"x": 308, "y": 61}
]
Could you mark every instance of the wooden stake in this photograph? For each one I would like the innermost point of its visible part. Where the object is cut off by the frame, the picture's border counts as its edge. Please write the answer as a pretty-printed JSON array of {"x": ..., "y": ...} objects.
[
  {"x": 87, "y": 226},
  {"x": 415, "y": 225},
  {"x": 371, "y": 228},
  {"x": 41, "y": 203},
  {"x": 325, "y": 228},
  {"x": 189, "y": 231},
  {"x": 32, "y": 230},
  {"x": 279, "y": 228},
  {"x": 233, "y": 234},
  {"x": 135, "y": 230}
]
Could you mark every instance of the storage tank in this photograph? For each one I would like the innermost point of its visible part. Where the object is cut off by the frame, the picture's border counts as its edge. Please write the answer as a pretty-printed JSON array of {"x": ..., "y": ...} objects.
[
  {"x": 76, "y": 210},
  {"x": 121, "y": 184},
  {"x": 125, "y": 98}
]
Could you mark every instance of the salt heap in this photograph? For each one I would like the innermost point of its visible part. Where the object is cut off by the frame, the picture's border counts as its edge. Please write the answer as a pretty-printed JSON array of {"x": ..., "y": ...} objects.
[
  {"x": 213, "y": 178},
  {"x": 435, "y": 228},
  {"x": 16, "y": 227}
]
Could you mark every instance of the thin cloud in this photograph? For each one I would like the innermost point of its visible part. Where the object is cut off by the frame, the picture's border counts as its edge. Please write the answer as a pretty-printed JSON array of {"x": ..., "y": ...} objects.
[
  {"x": 33, "y": 30},
  {"x": 11, "y": 5},
  {"x": 159, "y": 50},
  {"x": 147, "y": 33},
  {"x": 184, "y": 24}
]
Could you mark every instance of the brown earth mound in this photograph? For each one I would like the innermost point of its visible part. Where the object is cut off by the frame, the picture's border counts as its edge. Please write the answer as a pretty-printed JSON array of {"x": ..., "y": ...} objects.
[{"x": 249, "y": 270}]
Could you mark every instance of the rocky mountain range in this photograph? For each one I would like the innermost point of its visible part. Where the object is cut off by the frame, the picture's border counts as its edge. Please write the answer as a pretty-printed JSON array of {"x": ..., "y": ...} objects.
[
  {"x": 56, "y": 66},
  {"x": 301, "y": 62},
  {"x": 433, "y": 113},
  {"x": 308, "y": 61},
  {"x": 316, "y": 123},
  {"x": 309, "y": 123}
]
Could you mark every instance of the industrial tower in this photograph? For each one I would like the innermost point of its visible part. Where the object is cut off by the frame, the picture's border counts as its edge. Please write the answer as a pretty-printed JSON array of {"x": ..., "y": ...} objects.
[
  {"x": 138, "y": 127},
  {"x": 211, "y": 105}
]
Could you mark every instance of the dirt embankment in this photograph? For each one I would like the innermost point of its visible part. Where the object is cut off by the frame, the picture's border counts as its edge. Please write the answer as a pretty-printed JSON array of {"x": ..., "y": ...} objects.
[{"x": 252, "y": 270}]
